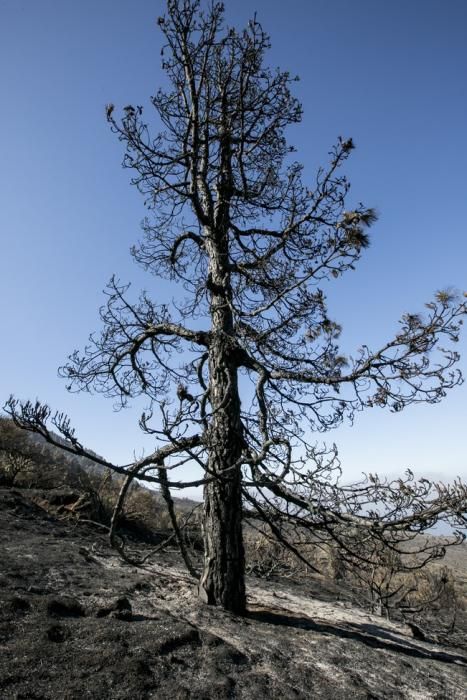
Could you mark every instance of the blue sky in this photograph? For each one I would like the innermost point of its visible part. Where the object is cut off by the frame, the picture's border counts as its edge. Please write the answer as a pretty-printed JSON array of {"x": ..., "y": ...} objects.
[{"x": 389, "y": 74}]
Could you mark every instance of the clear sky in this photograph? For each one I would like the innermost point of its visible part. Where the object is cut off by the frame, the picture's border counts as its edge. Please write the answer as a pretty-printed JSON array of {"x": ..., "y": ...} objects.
[{"x": 390, "y": 74}]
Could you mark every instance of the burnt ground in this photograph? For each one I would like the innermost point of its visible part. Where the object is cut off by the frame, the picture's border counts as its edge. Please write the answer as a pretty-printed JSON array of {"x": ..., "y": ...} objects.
[{"x": 77, "y": 622}]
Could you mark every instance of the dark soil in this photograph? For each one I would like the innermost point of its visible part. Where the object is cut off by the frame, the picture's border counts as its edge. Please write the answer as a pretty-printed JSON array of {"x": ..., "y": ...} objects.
[{"x": 76, "y": 622}]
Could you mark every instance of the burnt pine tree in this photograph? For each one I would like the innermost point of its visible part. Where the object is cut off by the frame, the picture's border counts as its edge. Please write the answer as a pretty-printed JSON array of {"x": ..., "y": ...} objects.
[{"x": 246, "y": 366}]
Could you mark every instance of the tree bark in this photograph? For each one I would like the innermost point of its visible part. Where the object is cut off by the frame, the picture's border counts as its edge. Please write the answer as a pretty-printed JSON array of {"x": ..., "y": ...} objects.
[{"x": 222, "y": 582}]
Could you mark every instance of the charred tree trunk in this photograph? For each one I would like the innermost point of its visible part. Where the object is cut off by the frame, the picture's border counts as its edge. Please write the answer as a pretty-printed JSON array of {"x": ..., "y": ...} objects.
[{"x": 222, "y": 582}]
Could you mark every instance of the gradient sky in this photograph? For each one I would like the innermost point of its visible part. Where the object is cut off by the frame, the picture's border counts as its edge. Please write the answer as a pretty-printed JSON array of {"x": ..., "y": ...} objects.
[{"x": 391, "y": 74}]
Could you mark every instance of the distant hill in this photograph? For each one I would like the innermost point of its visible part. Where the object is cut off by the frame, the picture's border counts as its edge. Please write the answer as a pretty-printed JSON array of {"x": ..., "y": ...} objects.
[
  {"x": 36, "y": 447},
  {"x": 28, "y": 460}
]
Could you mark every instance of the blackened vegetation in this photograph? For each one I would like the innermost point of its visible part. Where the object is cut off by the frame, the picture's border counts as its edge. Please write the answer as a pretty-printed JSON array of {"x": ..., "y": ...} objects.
[{"x": 231, "y": 220}]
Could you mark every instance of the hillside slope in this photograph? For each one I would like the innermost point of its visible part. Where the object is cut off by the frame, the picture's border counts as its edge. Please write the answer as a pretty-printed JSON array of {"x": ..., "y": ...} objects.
[{"x": 76, "y": 622}]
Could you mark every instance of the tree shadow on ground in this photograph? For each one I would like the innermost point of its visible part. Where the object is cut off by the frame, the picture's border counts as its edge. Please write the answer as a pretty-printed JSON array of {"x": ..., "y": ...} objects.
[{"x": 369, "y": 634}]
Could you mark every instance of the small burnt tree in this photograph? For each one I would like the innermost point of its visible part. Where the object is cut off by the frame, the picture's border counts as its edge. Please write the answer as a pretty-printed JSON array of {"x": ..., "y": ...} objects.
[{"x": 259, "y": 369}]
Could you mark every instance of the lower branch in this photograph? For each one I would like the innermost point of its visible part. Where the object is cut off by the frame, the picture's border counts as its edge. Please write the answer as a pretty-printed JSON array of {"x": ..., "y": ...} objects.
[{"x": 165, "y": 490}]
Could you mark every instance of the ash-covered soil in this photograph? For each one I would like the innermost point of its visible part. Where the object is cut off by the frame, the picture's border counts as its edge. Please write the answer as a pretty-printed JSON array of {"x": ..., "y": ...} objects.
[{"x": 77, "y": 622}]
